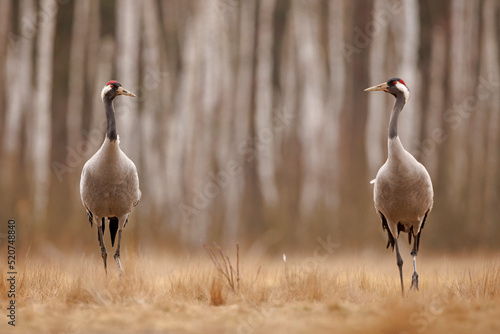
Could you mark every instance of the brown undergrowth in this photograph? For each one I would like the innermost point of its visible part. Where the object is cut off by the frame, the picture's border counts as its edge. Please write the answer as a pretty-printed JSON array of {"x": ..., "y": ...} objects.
[{"x": 346, "y": 293}]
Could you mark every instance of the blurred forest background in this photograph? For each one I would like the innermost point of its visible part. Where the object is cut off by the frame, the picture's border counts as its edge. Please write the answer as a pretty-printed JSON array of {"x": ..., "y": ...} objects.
[{"x": 251, "y": 123}]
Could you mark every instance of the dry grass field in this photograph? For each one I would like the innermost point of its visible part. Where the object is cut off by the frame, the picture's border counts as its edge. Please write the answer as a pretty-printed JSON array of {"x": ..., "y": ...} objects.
[{"x": 356, "y": 293}]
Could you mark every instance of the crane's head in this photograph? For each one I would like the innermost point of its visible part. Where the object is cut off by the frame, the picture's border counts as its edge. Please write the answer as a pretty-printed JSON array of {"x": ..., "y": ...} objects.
[
  {"x": 394, "y": 86},
  {"x": 113, "y": 89}
]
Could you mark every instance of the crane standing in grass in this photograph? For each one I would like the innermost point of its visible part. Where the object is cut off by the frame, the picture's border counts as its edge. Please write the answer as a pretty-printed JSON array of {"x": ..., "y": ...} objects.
[
  {"x": 109, "y": 185},
  {"x": 403, "y": 192}
]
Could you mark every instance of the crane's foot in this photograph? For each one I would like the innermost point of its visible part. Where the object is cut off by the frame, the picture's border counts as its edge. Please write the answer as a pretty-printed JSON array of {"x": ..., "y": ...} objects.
[
  {"x": 117, "y": 258},
  {"x": 414, "y": 281}
]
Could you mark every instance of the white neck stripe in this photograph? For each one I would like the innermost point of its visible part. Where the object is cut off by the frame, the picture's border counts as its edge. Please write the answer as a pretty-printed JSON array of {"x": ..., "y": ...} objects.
[
  {"x": 105, "y": 90},
  {"x": 404, "y": 89}
]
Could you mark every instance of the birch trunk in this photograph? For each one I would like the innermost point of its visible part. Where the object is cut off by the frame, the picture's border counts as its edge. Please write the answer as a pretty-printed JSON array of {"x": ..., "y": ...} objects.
[
  {"x": 153, "y": 83},
  {"x": 378, "y": 108},
  {"x": 18, "y": 83},
  {"x": 264, "y": 103},
  {"x": 337, "y": 79},
  {"x": 128, "y": 31},
  {"x": 77, "y": 72},
  {"x": 489, "y": 99},
  {"x": 5, "y": 14},
  {"x": 42, "y": 105},
  {"x": 406, "y": 31},
  {"x": 181, "y": 133},
  {"x": 306, "y": 24}
]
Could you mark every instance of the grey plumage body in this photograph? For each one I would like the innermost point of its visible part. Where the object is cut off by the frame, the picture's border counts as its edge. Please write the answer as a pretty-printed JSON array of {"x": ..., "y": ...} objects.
[
  {"x": 403, "y": 190},
  {"x": 109, "y": 185},
  {"x": 403, "y": 193}
]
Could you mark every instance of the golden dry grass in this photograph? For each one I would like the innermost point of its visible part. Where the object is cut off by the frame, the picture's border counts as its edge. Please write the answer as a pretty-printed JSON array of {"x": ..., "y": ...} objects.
[{"x": 357, "y": 293}]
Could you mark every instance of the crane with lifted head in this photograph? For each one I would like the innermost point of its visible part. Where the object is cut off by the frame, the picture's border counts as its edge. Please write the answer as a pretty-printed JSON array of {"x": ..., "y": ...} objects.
[
  {"x": 109, "y": 185},
  {"x": 403, "y": 193}
]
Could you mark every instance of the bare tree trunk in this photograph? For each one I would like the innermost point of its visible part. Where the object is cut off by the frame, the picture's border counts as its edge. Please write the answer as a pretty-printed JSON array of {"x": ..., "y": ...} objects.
[
  {"x": 425, "y": 64},
  {"x": 42, "y": 116},
  {"x": 306, "y": 23},
  {"x": 264, "y": 105},
  {"x": 93, "y": 46},
  {"x": 441, "y": 181},
  {"x": 98, "y": 69},
  {"x": 429, "y": 147},
  {"x": 407, "y": 29},
  {"x": 230, "y": 200},
  {"x": 489, "y": 99},
  {"x": 5, "y": 14},
  {"x": 208, "y": 88},
  {"x": 18, "y": 84},
  {"x": 128, "y": 31},
  {"x": 354, "y": 181},
  {"x": 77, "y": 71},
  {"x": 378, "y": 115},
  {"x": 335, "y": 103},
  {"x": 183, "y": 187},
  {"x": 240, "y": 110},
  {"x": 154, "y": 84},
  {"x": 436, "y": 104},
  {"x": 252, "y": 201},
  {"x": 462, "y": 84}
]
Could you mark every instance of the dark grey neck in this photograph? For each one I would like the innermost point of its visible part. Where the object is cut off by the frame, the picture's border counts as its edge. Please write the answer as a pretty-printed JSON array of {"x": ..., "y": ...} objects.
[
  {"x": 110, "y": 117},
  {"x": 396, "y": 110}
]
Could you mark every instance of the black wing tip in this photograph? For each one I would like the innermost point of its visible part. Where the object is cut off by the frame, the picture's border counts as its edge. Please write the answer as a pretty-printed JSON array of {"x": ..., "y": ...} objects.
[
  {"x": 385, "y": 227},
  {"x": 91, "y": 218}
]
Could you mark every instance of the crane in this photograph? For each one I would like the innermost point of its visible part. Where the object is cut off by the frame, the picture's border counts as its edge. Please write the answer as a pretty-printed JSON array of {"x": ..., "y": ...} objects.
[
  {"x": 109, "y": 185},
  {"x": 403, "y": 193}
]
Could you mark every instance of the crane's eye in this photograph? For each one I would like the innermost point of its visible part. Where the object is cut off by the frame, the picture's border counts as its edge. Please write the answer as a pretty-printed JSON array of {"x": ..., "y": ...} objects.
[{"x": 394, "y": 83}]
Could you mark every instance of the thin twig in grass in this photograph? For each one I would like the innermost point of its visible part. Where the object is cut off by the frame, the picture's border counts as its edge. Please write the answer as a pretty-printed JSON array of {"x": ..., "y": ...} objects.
[
  {"x": 225, "y": 267},
  {"x": 238, "y": 265},
  {"x": 256, "y": 275}
]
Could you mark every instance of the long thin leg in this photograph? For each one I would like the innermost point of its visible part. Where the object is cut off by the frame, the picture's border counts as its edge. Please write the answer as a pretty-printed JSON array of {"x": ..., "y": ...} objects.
[
  {"x": 121, "y": 223},
  {"x": 117, "y": 253},
  {"x": 399, "y": 260},
  {"x": 104, "y": 253},
  {"x": 414, "y": 277}
]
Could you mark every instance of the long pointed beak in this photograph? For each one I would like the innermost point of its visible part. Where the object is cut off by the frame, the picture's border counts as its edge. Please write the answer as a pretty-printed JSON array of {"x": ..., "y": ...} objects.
[
  {"x": 382, "y": 87},
  {"x": 123, "y": 91}
]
